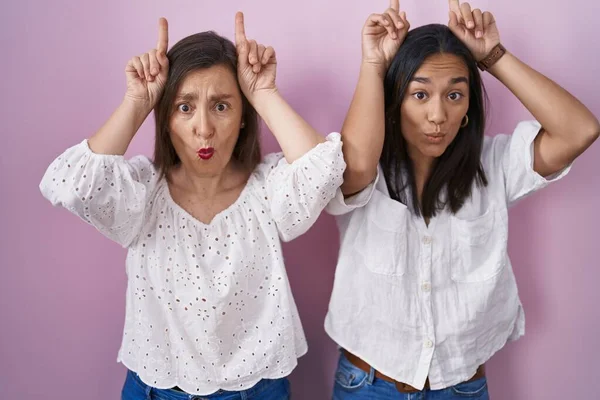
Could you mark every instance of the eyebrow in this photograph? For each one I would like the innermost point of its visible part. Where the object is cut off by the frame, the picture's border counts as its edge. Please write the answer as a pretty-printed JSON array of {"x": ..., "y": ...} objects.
[
  {"x": 193, "y": 96},
  {"x": 453, "y": 81}
]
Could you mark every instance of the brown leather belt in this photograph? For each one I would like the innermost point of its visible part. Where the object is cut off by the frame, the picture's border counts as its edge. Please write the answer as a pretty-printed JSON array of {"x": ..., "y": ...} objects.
[{"x": 400, "y": 386}]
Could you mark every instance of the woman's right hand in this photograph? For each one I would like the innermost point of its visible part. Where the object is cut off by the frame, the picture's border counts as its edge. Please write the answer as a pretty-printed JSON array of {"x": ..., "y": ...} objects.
[
  {"x": 382, "y": 36},
  {"x": 147, "y": 73}
]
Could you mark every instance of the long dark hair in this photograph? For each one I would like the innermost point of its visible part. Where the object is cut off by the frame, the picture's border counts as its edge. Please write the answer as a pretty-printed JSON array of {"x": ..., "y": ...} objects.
[
  {"x": 459, "y": 167},
  {"x": 200, "y": 51}
]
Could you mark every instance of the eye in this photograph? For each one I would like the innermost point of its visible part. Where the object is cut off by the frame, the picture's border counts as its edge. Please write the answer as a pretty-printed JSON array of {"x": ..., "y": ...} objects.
[
  {"x": 184, "y": 108},
  {"x": 221, "y": 107},
  {"x": 454, "y": 96},
  {"x": 420, "y": 95}
]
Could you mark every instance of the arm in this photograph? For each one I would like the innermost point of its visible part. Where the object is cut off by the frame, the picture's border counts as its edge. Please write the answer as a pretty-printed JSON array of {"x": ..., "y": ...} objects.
[
  {"x": 299, "y": 186},
  {"x": 118, "y": 131},
  {"x": 92, "y": 179},
  {"x": 256, "y": 73},
  {"x": 293, "y": 133},
  {"x": 363, "y": 131},
  {"x": 568, "y": 127},
  {"x": 146, "y": 77}
]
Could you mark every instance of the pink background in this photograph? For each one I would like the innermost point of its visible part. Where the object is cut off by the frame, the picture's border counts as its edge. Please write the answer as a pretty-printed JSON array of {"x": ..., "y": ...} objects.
[{"x": 62, "y": 286}]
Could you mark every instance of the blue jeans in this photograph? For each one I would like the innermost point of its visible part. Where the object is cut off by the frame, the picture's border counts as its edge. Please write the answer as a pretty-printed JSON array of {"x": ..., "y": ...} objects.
[
  {"x": 267, "y": 389},
  {"x": 352, "y": 383}
]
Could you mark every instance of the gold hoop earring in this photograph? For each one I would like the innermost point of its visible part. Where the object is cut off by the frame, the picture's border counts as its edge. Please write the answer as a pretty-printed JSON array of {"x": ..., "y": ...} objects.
[{"x": 466, "y": 122}]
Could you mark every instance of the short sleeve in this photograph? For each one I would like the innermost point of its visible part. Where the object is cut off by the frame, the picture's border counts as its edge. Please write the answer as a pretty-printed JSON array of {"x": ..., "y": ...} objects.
[
  {"x": 513, "y": 156},
  {"x": 298, "y": 192},
  {"x": 340, "y": 205},
  {"x": 106, "y": 191}
]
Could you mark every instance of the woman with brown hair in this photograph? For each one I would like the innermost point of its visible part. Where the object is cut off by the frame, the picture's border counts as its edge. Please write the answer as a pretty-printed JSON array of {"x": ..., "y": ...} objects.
[{"x": 209, "y": 307}]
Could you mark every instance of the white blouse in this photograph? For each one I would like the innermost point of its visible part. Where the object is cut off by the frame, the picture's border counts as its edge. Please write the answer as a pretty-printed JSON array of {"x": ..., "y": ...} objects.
[
  {"x": 437, "y": 301},
  {"x": 209, "y": 306}
]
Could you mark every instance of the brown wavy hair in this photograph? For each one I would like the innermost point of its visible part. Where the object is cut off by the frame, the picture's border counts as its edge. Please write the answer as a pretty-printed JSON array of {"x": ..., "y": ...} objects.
[{"x": 201, "y": 51}]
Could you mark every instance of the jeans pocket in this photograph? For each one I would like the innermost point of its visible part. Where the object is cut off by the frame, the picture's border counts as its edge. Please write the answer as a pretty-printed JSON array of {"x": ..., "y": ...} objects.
[
  {"x": 476, "y": 389},
  {"x": 348, "y": 376}
]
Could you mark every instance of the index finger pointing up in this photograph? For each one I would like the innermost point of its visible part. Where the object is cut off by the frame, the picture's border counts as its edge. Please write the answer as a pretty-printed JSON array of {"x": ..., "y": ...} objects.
[
  {"x": 395, "y": 5},
  {"x": 163, "y": 36},
  {"x": 240, "y": 32},
  {"x": 454, "y": 6}
]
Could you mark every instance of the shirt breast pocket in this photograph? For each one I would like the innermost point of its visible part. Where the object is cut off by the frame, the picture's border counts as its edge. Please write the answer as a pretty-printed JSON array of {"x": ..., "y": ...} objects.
[
  {"x": 479, "y": 246},
  {"x": 381, "y": 241}
]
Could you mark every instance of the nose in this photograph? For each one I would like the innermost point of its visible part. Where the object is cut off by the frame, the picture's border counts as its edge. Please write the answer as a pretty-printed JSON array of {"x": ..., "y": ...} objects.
[
  {"x": 437, "y": 111},
  {"x": 202, "y": 125}
]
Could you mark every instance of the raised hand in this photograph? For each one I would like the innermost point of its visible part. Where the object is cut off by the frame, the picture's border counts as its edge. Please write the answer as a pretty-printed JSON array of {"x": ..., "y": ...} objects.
[
  {"x": 383, "y": 34},
  {"x": 257, "y": 64},
  {"x": 477, "y": 30},
  {"x": 147, "y": 73}
]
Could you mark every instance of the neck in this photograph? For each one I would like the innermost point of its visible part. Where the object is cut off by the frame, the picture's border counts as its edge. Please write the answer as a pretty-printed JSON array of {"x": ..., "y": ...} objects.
[{"x": 205, "y": 184}]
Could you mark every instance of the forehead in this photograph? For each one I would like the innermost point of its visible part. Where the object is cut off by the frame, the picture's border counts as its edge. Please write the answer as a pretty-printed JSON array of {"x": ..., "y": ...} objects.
[
  {"x": 217, "y": 78},
  {"x": 442, "y": 66}
]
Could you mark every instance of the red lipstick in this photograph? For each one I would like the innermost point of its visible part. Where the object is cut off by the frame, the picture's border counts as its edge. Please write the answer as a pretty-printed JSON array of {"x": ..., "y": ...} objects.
[{"x": 206, "y": 153}]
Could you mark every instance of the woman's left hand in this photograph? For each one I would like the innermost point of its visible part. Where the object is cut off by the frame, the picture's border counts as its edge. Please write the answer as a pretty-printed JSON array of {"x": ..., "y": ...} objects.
[
  {"x": 477, "y": 30},
  {"x": 257, "y": 64}
]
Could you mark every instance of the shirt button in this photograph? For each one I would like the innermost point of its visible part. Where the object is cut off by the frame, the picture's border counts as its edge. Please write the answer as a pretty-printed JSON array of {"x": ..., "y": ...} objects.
[
  {"x": 427, "y": 239},
  {"x": 428, "y": 344},
  {"x": 426, "y": 286}
]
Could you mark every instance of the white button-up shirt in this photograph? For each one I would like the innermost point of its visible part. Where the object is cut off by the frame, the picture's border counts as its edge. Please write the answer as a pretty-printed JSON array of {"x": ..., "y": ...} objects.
[{"x": 437, "y": 301}]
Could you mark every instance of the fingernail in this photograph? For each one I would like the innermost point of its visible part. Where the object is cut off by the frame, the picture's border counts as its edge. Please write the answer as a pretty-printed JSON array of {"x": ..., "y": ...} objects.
[
  {"x": 470, "y": 24},
  {"x": 478, "y": 34},
  {"x": 400, "y": 25}
]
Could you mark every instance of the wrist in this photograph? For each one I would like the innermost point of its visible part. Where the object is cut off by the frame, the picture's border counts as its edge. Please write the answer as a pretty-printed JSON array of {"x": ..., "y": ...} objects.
[
  {"x": 503, "y": 64},
  {"x": 372, "y": 68},
  {"x": 136, "y": 105},
  {"x": 261, "y": 99},
  {"x": 138, "y": 109},
  {"x": 490, "y": 59}
]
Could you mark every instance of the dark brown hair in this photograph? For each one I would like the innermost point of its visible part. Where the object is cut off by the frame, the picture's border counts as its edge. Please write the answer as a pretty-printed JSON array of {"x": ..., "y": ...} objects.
[
  {"x": 459, "y": 167},
  {"x": 200, "y": 51}
]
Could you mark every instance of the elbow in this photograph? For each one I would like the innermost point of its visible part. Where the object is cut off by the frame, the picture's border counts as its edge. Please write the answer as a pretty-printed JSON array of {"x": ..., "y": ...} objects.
[
  {"x": 594, "y": 132},
  {"x": 60, "y": 193},
  {"x": 589, "y": 134},
  {"x": 590, "y": 130},
  {"x": 50, "y": 190},
  {"x": 60, "y": 198},
  {"x": 581, "y": 137},
  {"x": 357, "y": 179}
]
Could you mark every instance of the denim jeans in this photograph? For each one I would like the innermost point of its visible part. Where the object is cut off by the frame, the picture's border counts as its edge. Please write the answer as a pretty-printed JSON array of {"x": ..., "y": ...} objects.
[
  {"x": 352, "y": 383},
  {"x": 266, "y": 389}
]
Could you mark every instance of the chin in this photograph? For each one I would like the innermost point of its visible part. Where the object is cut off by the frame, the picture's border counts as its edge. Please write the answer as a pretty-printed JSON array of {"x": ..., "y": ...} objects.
[{"x": 433, "y": 151}]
